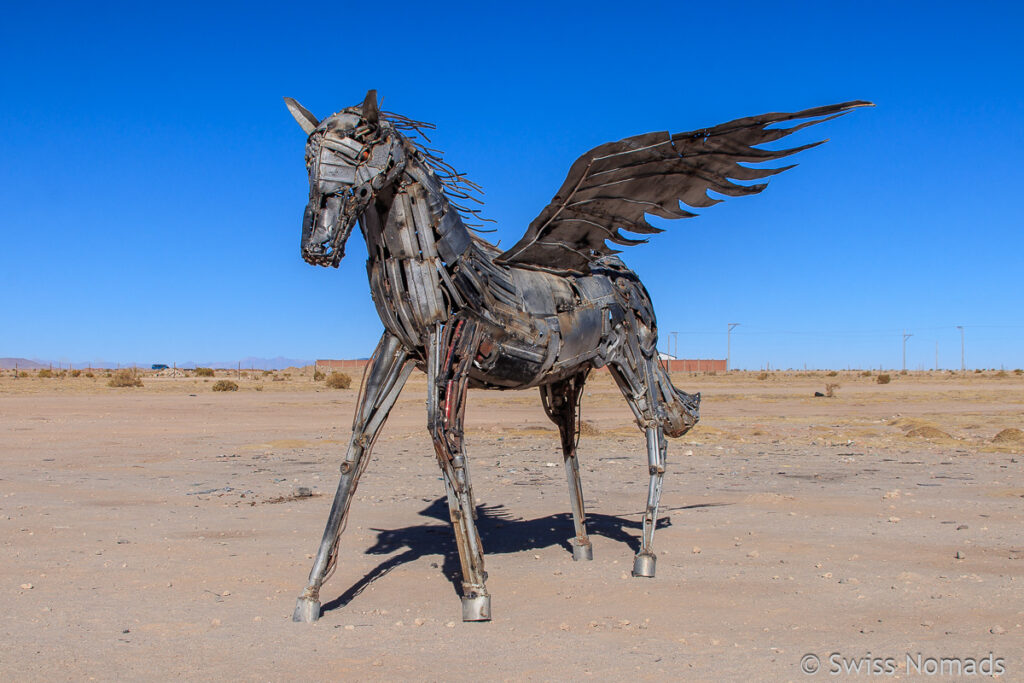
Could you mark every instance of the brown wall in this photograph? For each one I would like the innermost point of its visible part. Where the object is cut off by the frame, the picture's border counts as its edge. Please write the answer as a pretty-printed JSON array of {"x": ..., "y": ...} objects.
[
  {"x": 342, "y": 364},
  {"x": 695, "y": 365}
]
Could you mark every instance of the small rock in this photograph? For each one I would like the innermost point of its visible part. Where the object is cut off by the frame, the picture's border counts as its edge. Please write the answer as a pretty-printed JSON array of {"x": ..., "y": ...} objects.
[
  {"x": 399, "y": 623},
  {"x": 419, "y": 621},
  {"x": 960, "y": 555},
  {"x": 536, "y": 557},
  {"x": 26, "y": 586},
  {"x": 450, "y": 624},
  {"x": 893, "y": 520},
  {"x": 550, "y": 464},
  {"x": 226, "y": 593},
  {"x": 350, "y": 627},
  {"x": 997, "y": 630},
  {"x": 753, "y": 554},
  {"x": 563, "y": 626},
  {"x": 696, "y": 550},
  {"x": 961, "y": 527},
  {"x": 378, "y": 662},
  {"x": 303, "y": 492},
  {"x": 214, "y": 622}
]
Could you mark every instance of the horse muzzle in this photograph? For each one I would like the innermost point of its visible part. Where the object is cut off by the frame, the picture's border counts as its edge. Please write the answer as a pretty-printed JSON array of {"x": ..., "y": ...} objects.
[{"x": 326, "y": 226}]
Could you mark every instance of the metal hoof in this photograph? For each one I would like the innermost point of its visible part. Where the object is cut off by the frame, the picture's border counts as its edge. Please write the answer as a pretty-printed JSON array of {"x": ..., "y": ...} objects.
[
  {"x": 307, "y": 610},
  {"x": 582, "y": 552},
  {"x": 476, "y": 608},
  {"x": 643, "y": 565}
]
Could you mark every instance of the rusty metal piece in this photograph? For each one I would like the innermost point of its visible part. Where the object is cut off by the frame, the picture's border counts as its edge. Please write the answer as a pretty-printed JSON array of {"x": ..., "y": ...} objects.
[{"x": 542, "y": 314}]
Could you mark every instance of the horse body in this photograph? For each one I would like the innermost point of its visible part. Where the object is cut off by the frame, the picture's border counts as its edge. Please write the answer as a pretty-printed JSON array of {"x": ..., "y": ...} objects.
[{"x": 470, "y": 316}]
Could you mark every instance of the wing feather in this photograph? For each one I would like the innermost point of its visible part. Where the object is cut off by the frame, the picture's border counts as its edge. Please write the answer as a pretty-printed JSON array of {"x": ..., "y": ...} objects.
[{"x": 615, "y": 185}]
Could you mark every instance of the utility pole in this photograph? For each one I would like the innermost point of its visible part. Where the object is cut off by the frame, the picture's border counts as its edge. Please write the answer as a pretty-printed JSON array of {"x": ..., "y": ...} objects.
[
  {"x": 963, "y": 367},
  {"x": 728, "y": 346},
  {"x": 675, "y": 356},
  {"x": 905, "y": 338},
  {"x": 936, "y": 356}
]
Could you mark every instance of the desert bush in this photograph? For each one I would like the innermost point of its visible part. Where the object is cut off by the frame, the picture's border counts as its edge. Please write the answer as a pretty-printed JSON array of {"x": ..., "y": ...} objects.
[
  {"x": 977, "y": 371},
  {"x": 830, "y": 390},
  {"x": 883, "y": 378},
  {"x": 275, "y": 378},
  {"x": 1002, "y": 373},
  {"x": 45, "y": 372},
  {"x": 339, "y": 380},
  {"x": 1018, "y": 371},
  {"x": 866, "y": 373},
  {"x": 76, "y": 373},
  {"x": 268, "y": 372},
  {"x": 224, "y": 385},
  {"x": 204, "y": 372},
  {"x": 832, "y": 373},
  {"x": 763, "y": 376},
  {"x": 317, "y": 375},
  {"x": 124, "y": 378}
]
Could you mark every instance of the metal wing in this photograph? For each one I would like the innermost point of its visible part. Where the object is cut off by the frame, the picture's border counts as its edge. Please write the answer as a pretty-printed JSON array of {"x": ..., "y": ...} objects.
[{"x": 613, "y": 186}]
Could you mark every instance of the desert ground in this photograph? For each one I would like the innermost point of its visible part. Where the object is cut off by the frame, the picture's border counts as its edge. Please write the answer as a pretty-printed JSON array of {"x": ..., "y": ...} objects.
[{"x": 163, "y": 532}]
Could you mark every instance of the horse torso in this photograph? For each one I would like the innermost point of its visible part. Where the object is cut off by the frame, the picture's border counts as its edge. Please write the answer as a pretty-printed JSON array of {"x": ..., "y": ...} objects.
[{"x": 425, "y": 266}]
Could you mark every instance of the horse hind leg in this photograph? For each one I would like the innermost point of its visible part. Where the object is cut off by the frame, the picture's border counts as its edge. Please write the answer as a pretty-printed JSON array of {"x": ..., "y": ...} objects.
[
  {"x": 561, "y": 403},
  {"x": 451, "y": 351},
  {"x": 659, "y": 409},
  {"x": 387, "y": 373}
]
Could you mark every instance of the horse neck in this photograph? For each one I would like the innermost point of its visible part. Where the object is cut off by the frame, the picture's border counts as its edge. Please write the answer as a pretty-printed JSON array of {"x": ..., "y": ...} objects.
[{"x": 414, "y": 219}]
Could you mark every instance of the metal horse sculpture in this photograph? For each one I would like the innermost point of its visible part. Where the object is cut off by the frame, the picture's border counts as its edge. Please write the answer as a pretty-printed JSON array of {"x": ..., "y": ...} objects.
[{"x": 541, "y": 314}]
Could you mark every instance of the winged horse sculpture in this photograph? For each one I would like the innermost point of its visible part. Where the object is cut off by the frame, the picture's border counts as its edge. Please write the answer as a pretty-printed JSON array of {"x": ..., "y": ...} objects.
[{"x": 542, "y": 314}]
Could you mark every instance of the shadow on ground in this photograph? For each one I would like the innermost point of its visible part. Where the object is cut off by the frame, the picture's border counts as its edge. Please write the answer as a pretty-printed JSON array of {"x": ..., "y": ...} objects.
[{"x": 500, "y": 532}]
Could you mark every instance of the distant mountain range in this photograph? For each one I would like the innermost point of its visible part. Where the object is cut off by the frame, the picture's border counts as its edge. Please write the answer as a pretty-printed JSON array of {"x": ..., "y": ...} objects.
[{"x": 278, "y": 363}]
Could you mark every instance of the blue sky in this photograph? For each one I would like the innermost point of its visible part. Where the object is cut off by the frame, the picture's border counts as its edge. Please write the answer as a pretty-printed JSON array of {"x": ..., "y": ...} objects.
[{"x": 152, "y": 182}]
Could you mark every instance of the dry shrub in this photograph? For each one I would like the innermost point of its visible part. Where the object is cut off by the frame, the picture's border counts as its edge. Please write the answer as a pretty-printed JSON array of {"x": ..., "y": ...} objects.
[
  {"x": 317, "y": 375},
  {"x": 883, "y": 378},
  {"x": 830, "y": 390},
  {"x": 832, "y": 373},
  {"x": 204, "y": 372},
  {"x": 866, "y": 373},
  {"x": 763, "y": 376},
  {"x": 1001, "y": 373},
  {"x": 1009, "y": 435},
  {"x": 124, "y": 378},
  {"x": 45, "y": 372},
  {"x": 339, "y": 380},
  {"x": 928, "y": 433},
  {"x": 76, "y": 373},
  {"x": 89, "y": 375},
  {"x": 224, "y": 385},
  {"x": 275, "y": 378},
  {"x": 588, "y": 428},
  {"x": 1018, "y": 371}
]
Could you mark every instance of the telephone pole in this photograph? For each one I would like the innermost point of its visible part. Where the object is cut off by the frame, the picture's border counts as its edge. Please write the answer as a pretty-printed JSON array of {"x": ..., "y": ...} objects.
[
  {"x": 728, "y": 346},
  {"x": 905, "y": 338},
  {"x": 963, "y": 367}
]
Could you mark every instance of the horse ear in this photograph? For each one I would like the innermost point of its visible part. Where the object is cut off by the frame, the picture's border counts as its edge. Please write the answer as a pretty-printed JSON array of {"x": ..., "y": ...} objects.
[
  {"x": 370, "y": 111},
  {"x": 302, "y": 115}
]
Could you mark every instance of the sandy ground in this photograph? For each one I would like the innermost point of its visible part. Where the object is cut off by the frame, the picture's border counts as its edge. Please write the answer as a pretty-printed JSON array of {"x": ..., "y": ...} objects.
[{"x": 152, "y": 534}]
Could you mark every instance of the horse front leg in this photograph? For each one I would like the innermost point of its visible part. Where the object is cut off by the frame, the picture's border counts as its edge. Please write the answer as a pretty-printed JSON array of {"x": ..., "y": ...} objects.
[
  {"x": 451, "y": 351},
  {"x": 561, "y": 403},
  {"x": 388, "y": 370}
]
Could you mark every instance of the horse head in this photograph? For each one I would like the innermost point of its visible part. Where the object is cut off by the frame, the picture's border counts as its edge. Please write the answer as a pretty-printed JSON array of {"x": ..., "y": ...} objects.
[{"x": 350, "y": 156}]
